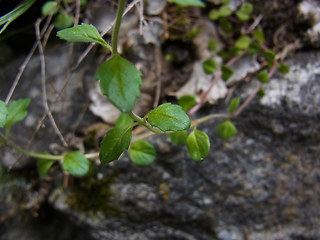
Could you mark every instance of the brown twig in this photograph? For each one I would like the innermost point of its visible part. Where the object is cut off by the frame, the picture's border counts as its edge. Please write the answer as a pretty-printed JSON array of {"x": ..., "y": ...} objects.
[
  {"x": 43, "y": 83},
  {"x": 26, "y": 61},
  {"x": 215, "y": 79}
]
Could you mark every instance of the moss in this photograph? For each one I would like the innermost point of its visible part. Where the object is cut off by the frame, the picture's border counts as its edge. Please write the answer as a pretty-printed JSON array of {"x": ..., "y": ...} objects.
[{"x": 91, "y": 194}]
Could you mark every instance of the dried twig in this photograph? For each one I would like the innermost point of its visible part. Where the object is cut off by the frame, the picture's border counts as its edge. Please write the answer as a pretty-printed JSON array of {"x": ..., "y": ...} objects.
[
  {"x": 215, "y": 79},
  {"x": 26, "y": 61},
  {"x": 43, "y": 83}
]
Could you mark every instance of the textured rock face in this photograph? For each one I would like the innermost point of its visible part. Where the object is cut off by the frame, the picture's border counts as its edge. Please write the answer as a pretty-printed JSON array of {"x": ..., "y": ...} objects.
[{"x": 261, "y": 184}]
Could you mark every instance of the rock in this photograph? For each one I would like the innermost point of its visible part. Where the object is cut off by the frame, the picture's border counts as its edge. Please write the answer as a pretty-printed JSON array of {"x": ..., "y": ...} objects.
[
  {"x": 310, "y": 10},
  {"x": 67, "y": 108},
  {"x": 261, "y": 184},
  {"x": 155, "y": 7}
]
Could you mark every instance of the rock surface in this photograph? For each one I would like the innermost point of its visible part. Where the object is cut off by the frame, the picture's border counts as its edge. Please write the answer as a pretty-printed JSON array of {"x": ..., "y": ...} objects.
[{"x": 261, "y": 184}]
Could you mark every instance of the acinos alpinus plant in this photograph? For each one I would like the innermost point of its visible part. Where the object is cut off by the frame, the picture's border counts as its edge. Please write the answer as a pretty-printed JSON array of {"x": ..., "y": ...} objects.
[{"x": 120, "y": 82}]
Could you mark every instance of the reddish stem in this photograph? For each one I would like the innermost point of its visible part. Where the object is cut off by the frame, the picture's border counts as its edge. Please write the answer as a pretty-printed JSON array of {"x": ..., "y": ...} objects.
[{"x": 215, "y": 79}]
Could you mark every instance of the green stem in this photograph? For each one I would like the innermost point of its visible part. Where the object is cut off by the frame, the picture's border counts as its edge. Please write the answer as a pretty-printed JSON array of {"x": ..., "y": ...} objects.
[
  {"x": 117, "y": 27},
  {"x": 209, "y": 117},
  {"x": 27, "y": 153},
  {"x": 143, "y": 122}
]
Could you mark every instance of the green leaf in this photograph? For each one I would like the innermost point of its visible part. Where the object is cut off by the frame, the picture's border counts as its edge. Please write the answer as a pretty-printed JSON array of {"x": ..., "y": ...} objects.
[
  {"x": 284, "y": 68},
  {"x": 43, "y": 166},
  {"x": 261, "y": 93},
  {"x": 227, "y": 129},
  {"x": 169, "y": 117},
  {"x": 83, "y": 2},
  {"x": 209, "y": 66},
  {"x": 142, "y": 153},
  {"x": 120, "y": 81},
  {"x": 254, "y": 48},
  {"x": 225, "y": 25},
  {"x": 225, "y": 11},
  {"x": 114, "y": 143},
  {"x": 82, "y": 33},
  {"x": 17, "y": 111},
  {"x": 178, "y": 138},
  {"x": 243, "y": 42},
  {"x": 214, "y": 14},
  {"x": 225, "y": 1},
  {"x": 234, "y": 51},
  {"x": 62, "y": 21},
  {"x": 213, "y": 44},
  {"x": 187, "y": 3},
  {"x": 258, "y": 35},
  {"x": 76, "y": 163},
  {"x": 50, "y": 7},
  {"x": 198, "y": 144},
  {"x": 3, "y": 113},
  {"x": 192, "y": 33},
  {"x": 187, "y": 102},
  {"x": 263, "y": 76},
  {"x": 244, "y": 12},
  {"x": 124, "y": 120},
  {"x": 226, "y": 72},
  {"x": 234, "y": 103},
  {"x": 270, "y": 57},
  {"x": 14, "y": 14}
]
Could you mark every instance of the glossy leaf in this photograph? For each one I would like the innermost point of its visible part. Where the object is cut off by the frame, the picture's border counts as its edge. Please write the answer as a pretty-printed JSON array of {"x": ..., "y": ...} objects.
[
  {"x": 198, "y": 144},
  {"x": 187, "y": 102},
  {"x": 254, "y": 48},
  {"x": 261, "y": 93},
  {"x": 263, "y": 76},
  {"x": 270, "y": 57},
  {"x": 50, "y": 7},
  {"x": 17, "y": 111},
  {"x": 226, "y": 72},
  {"x": 284, "y": 68},
  {"x": 43, "y": 166},
  {"x": 244, "y": 12},
  {"x": 82, "y": 33},
  {"x": 120, "y": 81},
  {"x": 225, "y": 11},
  {"x": 3, "y": 113},
  {"x": 169, "y": 117},
  {"x": 243, "y": 42},
  {"x": 114, "y": 143},
  {"x": 62, "y": 21},
  {"x": 227, "y": 129},
  {"x": 142, "y": 153},
  {"x": 187, "y": 3},
  {"x": 76, "y": 163},
  {"x": 178, "y": 138},
  {"x": 214, "y": 14},
  {"x": 124, "y": 120},
  {"x": 209, "y": 66},
  {"x": 14, "y": 14},
  {"x": 225, "y": 25},
  {"x": 213, "y": 45},
  {"x": 258, "y": 35},
  {"x": 234, "y": 103}
]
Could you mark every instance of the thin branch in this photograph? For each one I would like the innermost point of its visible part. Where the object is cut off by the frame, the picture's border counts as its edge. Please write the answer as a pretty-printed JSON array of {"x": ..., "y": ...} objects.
[
  {"x": 43, "y": 83},
  {"x": 246, "y": 102},
  {"x": 26, "y": 61},
  {"x": 215, "y": 79}
]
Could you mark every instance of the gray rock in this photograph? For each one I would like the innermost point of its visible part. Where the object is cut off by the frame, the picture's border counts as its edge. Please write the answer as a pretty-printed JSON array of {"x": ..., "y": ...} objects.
[
  {"x": 155, "y": 7},
  {"x": 261, "y": 184}
]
